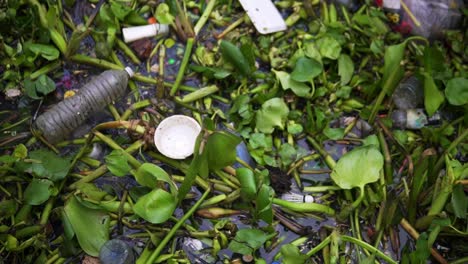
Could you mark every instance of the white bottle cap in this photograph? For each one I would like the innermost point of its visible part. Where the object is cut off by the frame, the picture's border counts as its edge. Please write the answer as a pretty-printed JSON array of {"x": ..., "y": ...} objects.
[
  {"x": 129, "y": 71},
  {"x": 308, "y": 199},
  {"x": 134, "y": 33},
  {"x": 175, "y": 136}
]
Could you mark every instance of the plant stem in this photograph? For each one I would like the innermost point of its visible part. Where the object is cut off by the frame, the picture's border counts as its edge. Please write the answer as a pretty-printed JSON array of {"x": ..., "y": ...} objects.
[
  {"x": 388, "y": 170},
  {"x": 200, "y": 93},
  {"x": 304, "y": 207},
  {"x": 111, "y": 143},
  {"x": 204, "y": 17},
  {"x": 319, "y": 247},
  {"x": 128, "y": 52},
  {"x": 171, "y": 233},
  {"x": 45, "y": 69},
  {"x": 183, "y": 66},
  {"x": 368, "y": 247},
  {"x": 79, "y": 58},
  {"x": 454, "y": 144}
]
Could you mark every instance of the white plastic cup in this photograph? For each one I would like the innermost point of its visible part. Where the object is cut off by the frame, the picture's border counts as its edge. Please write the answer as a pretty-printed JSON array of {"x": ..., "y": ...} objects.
[
  {"x": 135, "y": 33},
  {"x": 176, "y": 135}
]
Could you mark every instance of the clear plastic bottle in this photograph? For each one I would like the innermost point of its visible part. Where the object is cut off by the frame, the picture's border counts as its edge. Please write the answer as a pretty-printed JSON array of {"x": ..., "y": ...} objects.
[
  {"x": 116, "y": 251},
  {"x": 414, "y": 119},
  {"x": 409, "y": 94}
]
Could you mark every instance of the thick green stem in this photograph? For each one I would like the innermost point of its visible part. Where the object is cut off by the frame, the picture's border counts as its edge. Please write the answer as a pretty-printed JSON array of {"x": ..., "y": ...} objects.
[
  {"x": 319, "y": 247},
  {"x": 79, "y": 58},
  {"x": 304, "y": 207},
  {"x": 200, "y": 93},
  {"x": 183, "y": 66},
  {"x": 171, "y": 233},
  {"x": 204, "y": 17},
  {"x": 46, "y": 69},
  {"x": 368, "y": 247}
]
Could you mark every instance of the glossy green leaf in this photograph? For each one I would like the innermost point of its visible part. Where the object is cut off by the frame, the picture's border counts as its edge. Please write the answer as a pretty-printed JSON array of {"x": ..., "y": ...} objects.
[
  {"x": 292, "y": 255},
  {"x": 49, "y": 164},
  {"x": 40, "y": 87},
  {"x": 306, "y": 69},
  {"x": 263, "y": 204},
  {"x": 156, "y": 207},
  {"x": 334, "y": 133},
  {"x": 247, "y": 241},
  {"x": 48, "y": 52},
  {"x": 300, "y": 89},
  {"x": 91, "y": 226},
  {"x": 459, "y": 201},
  {"x": 163, "y": 15},
  {"x": 117, "y": 163},
  {"x": 393, "y": 70},
  {"x": 233, "y": 55},
  {"x": 221, "y": 150},
  {"x": 37, "y": 191},
  {"x": 358, "y": 167},
  {"x": 194, "y": 169},
  {"x": 345, "y": 68},
  {"x": 149, "y": 174},
  {"x": 287, "y": 153},
  {"x": 329, "y": 47},
  {"x": 433, "y": 97},
  {"x": 247, "y": 180},
  {"x": 273, "y": 113},
  {"x": 457, "y": 91}
]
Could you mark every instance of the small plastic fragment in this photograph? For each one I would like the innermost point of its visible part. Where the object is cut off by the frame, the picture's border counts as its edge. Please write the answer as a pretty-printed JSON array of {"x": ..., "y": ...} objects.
[{"x": 116, "y": 251}]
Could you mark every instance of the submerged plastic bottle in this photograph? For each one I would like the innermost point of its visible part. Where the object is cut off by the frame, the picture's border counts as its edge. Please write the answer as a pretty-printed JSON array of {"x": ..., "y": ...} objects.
[
  {"x": 414, "y": 119},
  {"x": 427, "y": 18},
  {"x": 409, "y": 94},
  {"x": 63, "y": 118},
  {"x": 116, "y": 251}
]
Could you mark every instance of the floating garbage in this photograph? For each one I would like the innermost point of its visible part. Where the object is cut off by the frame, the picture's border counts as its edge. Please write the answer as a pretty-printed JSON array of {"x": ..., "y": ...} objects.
[
  {"x": 175, "y": 136},
  {"x": 427, "y": 18},
  {"x": 63, "y": 118},
  {"x": 135, "y": 33},
  {"x": 116, "y": 251},
  {"x": 414, "y": 118},
  {"x": 409, "y": 94},
  {"x": 297, "y": 197},
  {"x": 264, "y": 15}
]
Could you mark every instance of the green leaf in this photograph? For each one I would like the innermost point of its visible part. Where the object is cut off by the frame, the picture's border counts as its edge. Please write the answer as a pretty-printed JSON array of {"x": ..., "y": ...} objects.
[
  {"x": 292, "y": 255},
  {"x": 247, "y": 241},
  {"x": 8, "y": 208},
  {"x": 345, "y": 68},
  {"x": 358, "y": 167},
  {"x": 45, "y": 85},
  {"x": 91, "y": 191},
  {"x": 149, "y": 174},
  {"x": 21, "y": 152},
  {"x": 433, "y": 98},
  {"x": 306, "y": 69},
  {"x": 195, "y": 168},
  {"x": 91, "y": 226},
  {"x": 233, "y": 55},
  {"x": 117, "y": 163},
  {"x": 457, "y": 91},
  {"x": 163, "y": 15},
  {"x": 156, "y": 207},
  {"x": 48, "y": 52},
  {"x": 300, "y": 89},
  {"x": 263, "y": 204},
  {"x": 273, "y": 113},
  {"x": 334, "y": 133},
  {"x": 37, "y": 191},
  {"x": 459, "y": 201},
  {"x": 50, "y": 165},
  {"x": 287, "y": 153},
  {"x": 221, "y": 149},
  {"x": 329, "y": 47},
  {"x": 392, "y": 65},
  {"x": 247, "y": 180}
]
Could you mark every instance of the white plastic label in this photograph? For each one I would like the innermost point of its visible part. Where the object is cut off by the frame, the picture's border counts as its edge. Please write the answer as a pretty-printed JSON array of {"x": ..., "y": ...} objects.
[
  {"x": 264, "y": 15},
  {"x": 392, "y": 4}
]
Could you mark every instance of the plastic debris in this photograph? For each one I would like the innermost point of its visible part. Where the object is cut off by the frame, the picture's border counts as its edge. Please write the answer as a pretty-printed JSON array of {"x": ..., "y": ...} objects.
[
  {"x": 264, "y": 15},
  {"x": 414, "y": 118},
  {"x": 134, "y": 33},
  {"x": 409, "y": 94},
  {"x": 116, "y": 251}
]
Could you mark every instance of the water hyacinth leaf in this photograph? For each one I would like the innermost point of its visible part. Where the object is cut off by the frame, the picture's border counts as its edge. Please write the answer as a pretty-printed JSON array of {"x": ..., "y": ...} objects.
[
  {"x": 300, "y": 89},
  {"x": 433, "y": 97},
  {"x": 8, "y": 208},
  {"x": 40, "y": 87},
  {"x": 163, "y": 15},
  {"x": 48, "y": 52},
  {"x": 197, "y": 166},
  {"x": 233, "y": 55},
  {"x": 156, "y": 207},
  {"x": 37, "y": 191},
  {"x": 91, "y": 226},
  {"x": 334, "y": 133},
  {"x": 117, "y": 163},
  {"x": 263, "y": 204},
  {"x": 247, "y": 180},
  {"x": 329, "y": 47},
  {"x": 149, "y": 174},
  {"x": 247, "y": 241},
  {"x": 91, "y": 191},
  {"x": 273, "y": 113},
  {"x": 306, "y": 69},
  {"x": 20, "y": 151},
  {"x": 345, "y": 68},
  {"x": 287, "y": 153},
  {"x": 459, "y": 201},
  {"x": 221, "y": 149},
  {"x": 358, "y": 167},
  {"x": 457, "y": 91},
  {"x": 292, "y": 255},
  {"x": 50, "y": 165},
  {"x": 392, "y": 65}
]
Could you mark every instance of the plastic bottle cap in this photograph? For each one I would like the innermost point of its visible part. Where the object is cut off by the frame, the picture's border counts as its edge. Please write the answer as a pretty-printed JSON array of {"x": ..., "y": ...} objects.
[
  {"x": 129, "y": 71},
  {"x": 175, "y": 136},
  {"x": 308, "y": 199}
]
